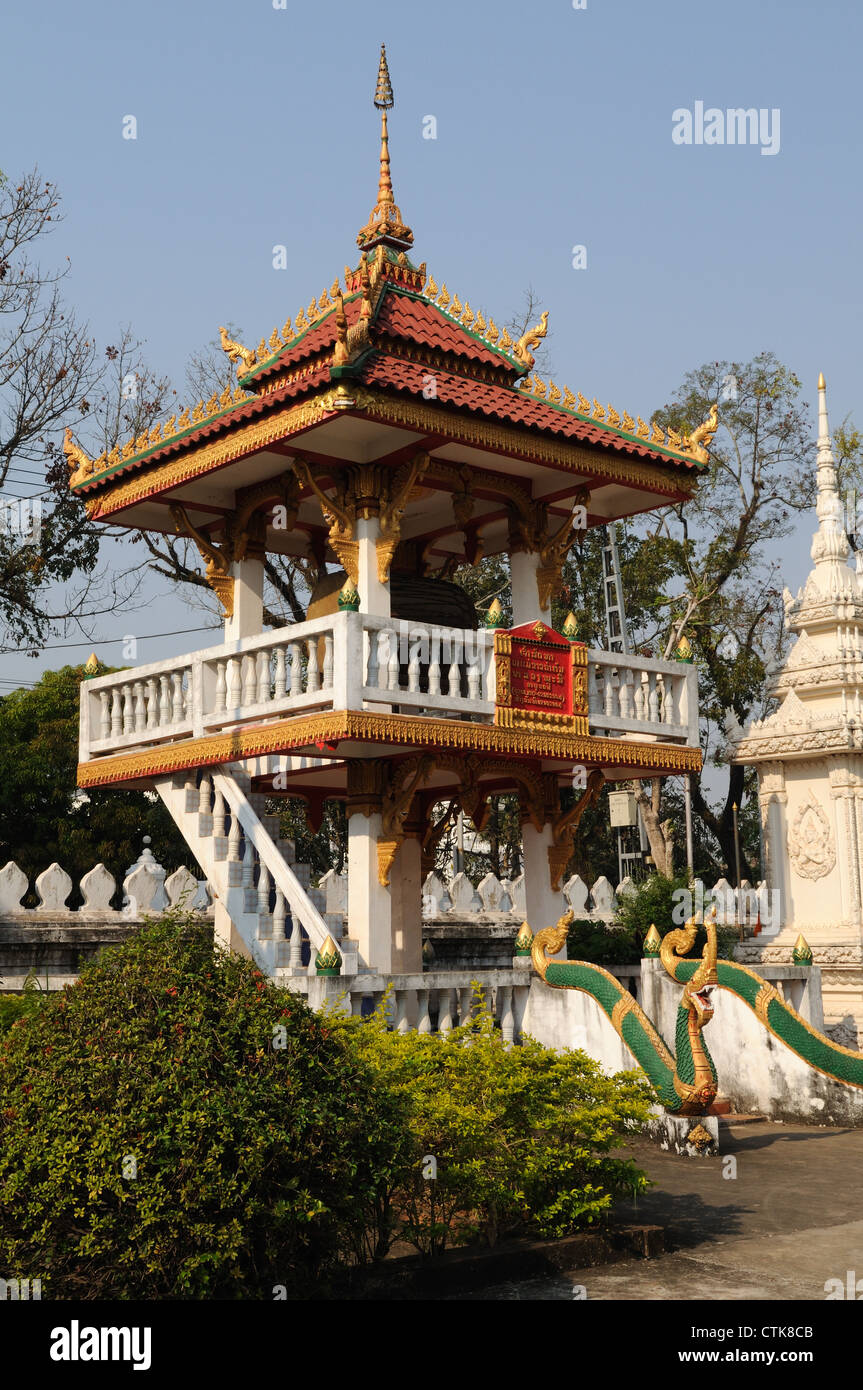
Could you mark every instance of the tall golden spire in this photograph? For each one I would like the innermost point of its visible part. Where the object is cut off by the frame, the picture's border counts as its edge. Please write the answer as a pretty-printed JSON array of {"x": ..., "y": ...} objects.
[{"x": 385, "y": 222}]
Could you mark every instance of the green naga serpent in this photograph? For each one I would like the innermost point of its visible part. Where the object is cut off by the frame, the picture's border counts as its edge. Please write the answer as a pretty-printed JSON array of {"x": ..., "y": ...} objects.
[{"x": 686, "y": 1083}]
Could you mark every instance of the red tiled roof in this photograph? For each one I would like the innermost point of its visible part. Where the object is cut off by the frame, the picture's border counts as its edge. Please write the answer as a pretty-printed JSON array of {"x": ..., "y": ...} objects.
[
  {"x": 417, "y": 321},
  {"x": 508, "y": 405}
]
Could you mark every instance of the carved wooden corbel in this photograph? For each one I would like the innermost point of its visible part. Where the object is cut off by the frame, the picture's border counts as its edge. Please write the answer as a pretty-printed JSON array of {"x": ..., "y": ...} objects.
[
  {"x": 394, "y": 810},
  {"x": 340, "y": 515},
  {"x": 392, "y": 509},
  {"x": 218, "y": 558}
]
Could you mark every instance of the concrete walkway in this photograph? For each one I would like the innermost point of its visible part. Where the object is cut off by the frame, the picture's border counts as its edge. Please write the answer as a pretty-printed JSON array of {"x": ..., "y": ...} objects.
[{"x": 776, "y": 1224}]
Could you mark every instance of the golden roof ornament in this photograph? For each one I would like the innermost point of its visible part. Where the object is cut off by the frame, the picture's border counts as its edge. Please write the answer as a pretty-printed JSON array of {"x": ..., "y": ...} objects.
[
  {"x": 802, "y": 952},
  {"x": 528, "y": 340},
  {"x": 385, "y": 222},
  {"x": 684, "y": 650},
  {"x": 570, "y": 627},
  {"x": 92, "y": 666},
  {"x": 652, "y": 942},
  {"x": 524, "y": 940},
  {"x": 494, "y": 614}
]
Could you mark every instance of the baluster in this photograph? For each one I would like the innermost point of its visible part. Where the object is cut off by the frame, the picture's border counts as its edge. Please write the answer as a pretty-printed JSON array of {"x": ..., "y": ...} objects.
[
  {"x": 128, "y": 710},
  {"x": 248, "y": 865},
  {"x": 296, "y": 952},
  {"x": 609, "y": 691},
  {"x": 296, "y": 669},
  {"x": 313, "y": 670},
  {"x": 105, "y": 714},
  {"x": 507, "y": 1017},
  {"x": 204, "y": 791},
  {"x": 116, "y": 712},
  {"x": 455, "y": 676},
  {"x": 640, "y": 697},
  {"x": 263, "y": 676},
  {"x": 626, "y": 694},
  {"x": 280, "y": 683},
  {"x": 465, "y": 1005},
  {"x": 279, "y": 915},
  {"x": 401, "y": 1024},
  {"x": 328, "y": 661},
  {"x": 653, "y": 700},
  {"x": 140, "y": 707},
  {"x": 248, "y": 679},
  {"x": 665, "y": 702},
  {"x": 414, "y": 667},
  {"x": 434, "y": 666},
  {"x": 393, "y": 662},
  {"x": 218, "y": 814},
  {"x": 234, "y": 855},
  {"x": 474, "y": 680},
  {"x": 444, "y": 1004},
  {"x": 235, "y": 690},
  {"x": 187, "y": 693},
  {"x": 164, "y": 701},
  {"x": 221, "y": 701},
  {"x": 152, "y": 703},
  {"x": 423, "y": 1019},
  {"x": 264, "y": 881},
  {"x": 177, "y": 697},
  {"x": 372, "y": 667}
]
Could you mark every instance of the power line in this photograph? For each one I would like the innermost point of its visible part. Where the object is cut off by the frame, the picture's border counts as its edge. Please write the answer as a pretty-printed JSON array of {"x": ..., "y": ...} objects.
[{"x": 110, "y": 641}]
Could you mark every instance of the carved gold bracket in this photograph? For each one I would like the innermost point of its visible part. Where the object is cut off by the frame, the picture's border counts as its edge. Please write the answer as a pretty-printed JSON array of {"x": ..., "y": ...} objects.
[
  {"x": 565, "y": 825},
  {"x": 393, "y": 504},
  {"x": 218, "y": 558},
  {"x": 406, "y": 779},
  {"x": 365, "y": 490}
]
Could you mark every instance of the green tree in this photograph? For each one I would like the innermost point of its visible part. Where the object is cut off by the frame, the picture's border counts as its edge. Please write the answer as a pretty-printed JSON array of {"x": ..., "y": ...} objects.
[
  {"x": 175, "y": 1126},
  {"x": 43, "y": 815}
]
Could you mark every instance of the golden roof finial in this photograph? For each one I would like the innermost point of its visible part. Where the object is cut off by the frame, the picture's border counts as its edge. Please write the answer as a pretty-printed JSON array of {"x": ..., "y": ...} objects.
[
  {"x": 822, "y": 384},
  {"x": 385, "y": 222}
]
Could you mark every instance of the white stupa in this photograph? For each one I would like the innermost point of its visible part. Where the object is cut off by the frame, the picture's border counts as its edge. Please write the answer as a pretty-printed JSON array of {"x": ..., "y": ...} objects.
[{"x": 809, "y": 757}]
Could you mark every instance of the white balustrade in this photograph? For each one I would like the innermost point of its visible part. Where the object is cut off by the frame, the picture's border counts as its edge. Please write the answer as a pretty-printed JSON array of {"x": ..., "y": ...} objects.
[
  {"x": 356, "y": 661},
  {"x": 642, "y": 697}
]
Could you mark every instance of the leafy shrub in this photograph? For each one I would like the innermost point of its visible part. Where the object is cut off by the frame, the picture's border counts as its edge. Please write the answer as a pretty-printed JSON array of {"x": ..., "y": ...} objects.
[
  {"x": 256, "y": 1162},
  {"x": 15, "y": 1006},
  {"x": 602, "y": 945},
  {"x": 521, "y": 1137},
  {"x": 652, "y": 903}
]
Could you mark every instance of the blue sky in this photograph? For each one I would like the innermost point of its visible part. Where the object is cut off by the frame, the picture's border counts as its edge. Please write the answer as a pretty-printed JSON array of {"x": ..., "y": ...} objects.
[{"x": 256, "y": 127}]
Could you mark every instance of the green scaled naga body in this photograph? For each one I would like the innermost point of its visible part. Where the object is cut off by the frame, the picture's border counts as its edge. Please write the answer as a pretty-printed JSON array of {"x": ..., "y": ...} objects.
[{"x": 685, "y": 1083}]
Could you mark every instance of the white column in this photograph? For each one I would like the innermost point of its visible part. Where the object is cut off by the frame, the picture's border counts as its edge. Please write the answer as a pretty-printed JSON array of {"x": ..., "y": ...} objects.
[
  {"x": 406, "y": 896},
  {"x": 525, "y": 598},
  {"x": 543, "y": 906},
  {"x": 248, "y": 616},
  {"x": 369, "y": 905},
  {"x": 374, "y": 596}
]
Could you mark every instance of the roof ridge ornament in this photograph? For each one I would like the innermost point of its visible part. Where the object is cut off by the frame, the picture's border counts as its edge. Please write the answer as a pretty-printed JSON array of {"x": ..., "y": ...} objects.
[{"x": 385, "y": 224}]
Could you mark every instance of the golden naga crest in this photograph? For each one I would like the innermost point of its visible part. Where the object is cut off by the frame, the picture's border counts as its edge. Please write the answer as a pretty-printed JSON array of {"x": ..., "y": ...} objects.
[{"x": 697, "y": 993}]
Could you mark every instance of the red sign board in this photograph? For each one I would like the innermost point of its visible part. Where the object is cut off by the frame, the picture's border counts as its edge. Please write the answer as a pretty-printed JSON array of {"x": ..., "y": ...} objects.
[{"x": 539, "y": 679}]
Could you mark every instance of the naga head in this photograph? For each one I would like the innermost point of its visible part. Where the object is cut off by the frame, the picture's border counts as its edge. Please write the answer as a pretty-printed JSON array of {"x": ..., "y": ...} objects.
[
  {"x": 697, "y": 994},
  {"x": 548, "y": 942}
]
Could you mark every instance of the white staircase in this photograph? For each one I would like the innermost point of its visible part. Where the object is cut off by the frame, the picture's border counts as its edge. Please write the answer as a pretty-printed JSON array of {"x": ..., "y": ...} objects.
[{"x": 251, "y": 870}]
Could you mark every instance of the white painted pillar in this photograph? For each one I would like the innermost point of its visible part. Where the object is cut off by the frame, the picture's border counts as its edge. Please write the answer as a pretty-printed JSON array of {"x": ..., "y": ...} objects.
[
  {"x": 406, "y": 896},
  {"x": 374, "y": 596},
  {"x": 248, "y": 616},
  {"x": 525, "y": 598},
  {"x": 543, "y": 906},
  {"x": 369, "y": 905}
]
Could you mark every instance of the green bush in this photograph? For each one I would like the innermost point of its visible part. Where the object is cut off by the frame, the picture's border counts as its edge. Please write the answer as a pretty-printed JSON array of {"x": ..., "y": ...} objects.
[
  {"x": 258, "y": 1153},
  {"x": 602, "y": 945},
  {"x": 15, "y": 1006},
  {"x": 652, "y": 904},
  {"x": 521, "y": 1138}
]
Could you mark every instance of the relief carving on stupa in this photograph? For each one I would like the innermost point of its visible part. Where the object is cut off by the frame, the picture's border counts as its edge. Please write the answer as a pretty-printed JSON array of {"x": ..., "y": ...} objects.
[{"x": 810, "y": 843}]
